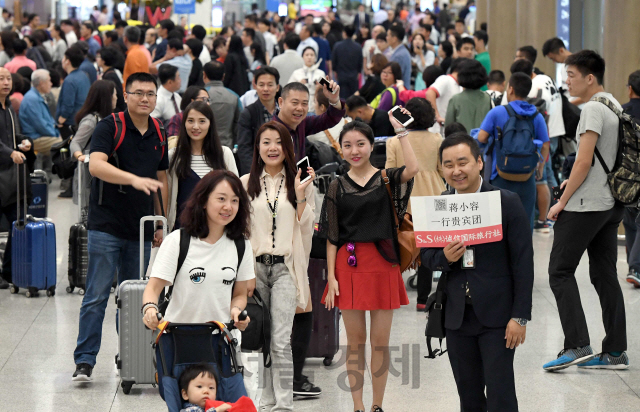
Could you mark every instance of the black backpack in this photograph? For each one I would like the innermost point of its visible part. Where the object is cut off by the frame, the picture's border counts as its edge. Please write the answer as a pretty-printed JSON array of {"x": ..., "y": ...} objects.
[
  {"x": 570, "y": 116},
  {"x": 624, "y": 176}
]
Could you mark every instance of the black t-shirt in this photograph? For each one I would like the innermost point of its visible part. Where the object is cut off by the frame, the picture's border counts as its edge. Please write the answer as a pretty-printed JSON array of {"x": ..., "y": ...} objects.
[
  {"x": 380, "y": 124},
  {"x": 121, "y": 209}
]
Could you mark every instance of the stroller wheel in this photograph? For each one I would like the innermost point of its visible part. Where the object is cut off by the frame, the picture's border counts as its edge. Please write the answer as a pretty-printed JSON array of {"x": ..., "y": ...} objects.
[
  {"x": 412, "y": 282},
  {"x": 69, "y": 289}
]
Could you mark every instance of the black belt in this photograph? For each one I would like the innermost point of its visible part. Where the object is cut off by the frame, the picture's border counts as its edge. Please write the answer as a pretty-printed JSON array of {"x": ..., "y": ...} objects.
[{"x": 269, "y": 260}]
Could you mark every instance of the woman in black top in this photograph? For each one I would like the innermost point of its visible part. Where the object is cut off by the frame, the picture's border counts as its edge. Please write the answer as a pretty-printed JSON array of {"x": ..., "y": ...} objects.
[
  {"x": 445, "y": 53},
  {"x": 236, "y": 67},
  {"x": 362, "y": 251}
]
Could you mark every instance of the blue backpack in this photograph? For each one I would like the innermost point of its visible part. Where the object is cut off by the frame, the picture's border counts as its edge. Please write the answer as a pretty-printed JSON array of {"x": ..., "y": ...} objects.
[{"x": 516, "y": 153}]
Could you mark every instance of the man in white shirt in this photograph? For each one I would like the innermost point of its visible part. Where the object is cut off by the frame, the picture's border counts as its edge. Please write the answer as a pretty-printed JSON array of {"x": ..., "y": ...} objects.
[
  {"x": 430, "y": 18},
  {"x": 70, "y": 35},
  {"x": 442, "y": 90},
  {"x": 270, "y": 40},
  {"x": 556, "y": 51},
  {"x": 306, "y": 40},
  {"x": 289, "y": 61},
  {"x": 168, "y": 100},
  {"x": 380, "y": 16},
  {"x": 176, "y": 57},
  {"x": 199, "y": 32},
  {"x": 370, "y": 48}
]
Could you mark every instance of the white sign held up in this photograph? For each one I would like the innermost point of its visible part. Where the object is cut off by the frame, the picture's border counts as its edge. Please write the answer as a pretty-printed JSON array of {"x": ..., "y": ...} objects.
[{"x": 474, "y": 218}]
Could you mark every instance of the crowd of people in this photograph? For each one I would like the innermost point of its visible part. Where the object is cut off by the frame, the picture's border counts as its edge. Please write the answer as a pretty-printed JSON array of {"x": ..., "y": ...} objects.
[{"x": 241, "y": 108}]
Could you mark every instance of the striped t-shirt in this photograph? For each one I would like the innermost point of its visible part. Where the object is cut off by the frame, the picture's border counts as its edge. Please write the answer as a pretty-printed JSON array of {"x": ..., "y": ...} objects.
[{"x": 199, "y": 165}]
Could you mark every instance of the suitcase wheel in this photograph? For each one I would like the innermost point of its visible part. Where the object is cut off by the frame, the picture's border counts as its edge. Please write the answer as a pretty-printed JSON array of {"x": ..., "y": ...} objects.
[
  {"x": 81, "y": 292},
  {"x": 412, "y": 282},
  {"x": 327, "y": 361},
  {"x": 32, "y": 293},
  {"x": 126, "y": 387},
  {"x": 69, "y": 289},
  {"x": 51, "y": 291},
  {"x": 14, "y": 289},
  {"x": 113, "y": 289}
]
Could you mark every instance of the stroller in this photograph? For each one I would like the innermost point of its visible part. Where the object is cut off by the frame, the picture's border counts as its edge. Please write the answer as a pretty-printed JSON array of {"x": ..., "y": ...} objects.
[{"x": 179, "y": 345}]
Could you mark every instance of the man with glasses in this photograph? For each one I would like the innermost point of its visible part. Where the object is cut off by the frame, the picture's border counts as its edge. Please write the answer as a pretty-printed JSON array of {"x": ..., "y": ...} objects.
[
  {"x": 168, "y": 100},
  {"x": 121, "y": 194},
  {"x": 224, "y": 102}
]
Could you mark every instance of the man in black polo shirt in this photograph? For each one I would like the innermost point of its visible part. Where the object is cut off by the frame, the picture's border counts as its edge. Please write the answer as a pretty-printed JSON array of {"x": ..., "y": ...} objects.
[{"x": 120, "y": 196}]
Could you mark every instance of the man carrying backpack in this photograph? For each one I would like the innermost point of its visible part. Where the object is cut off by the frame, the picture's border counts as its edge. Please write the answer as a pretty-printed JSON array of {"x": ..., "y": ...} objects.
[
  {"x": 587, "y": 219},
  {"x": 518, "y": 141},
  {"x": 128, "y": 163}
]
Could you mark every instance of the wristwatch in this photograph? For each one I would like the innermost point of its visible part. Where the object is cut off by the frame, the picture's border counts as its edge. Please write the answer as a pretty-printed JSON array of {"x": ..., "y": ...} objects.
[{"x": 520, "y": 321}]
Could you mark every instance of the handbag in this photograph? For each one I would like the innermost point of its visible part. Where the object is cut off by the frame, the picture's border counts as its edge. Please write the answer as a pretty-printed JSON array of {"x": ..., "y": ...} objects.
[
  {"x": 435, "y": 318},
  {"x": 257, "y": 335},
  {"x": 63, "y": 162},
  {"x": 409, "y": 253}
]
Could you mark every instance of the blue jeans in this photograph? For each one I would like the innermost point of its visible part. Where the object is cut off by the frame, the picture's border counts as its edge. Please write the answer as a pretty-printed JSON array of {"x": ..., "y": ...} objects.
[
  {"x": 551, "y": 176},
  {"x": 107, "y": 254},
  {"x": 526, "y": 191},
  {"x": 632, "y": 237}
]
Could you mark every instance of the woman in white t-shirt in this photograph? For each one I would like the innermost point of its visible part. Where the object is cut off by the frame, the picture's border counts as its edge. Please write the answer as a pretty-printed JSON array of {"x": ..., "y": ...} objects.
[
  {"x": 210, "y": 284},
  {"x": 197, "y": 152}
]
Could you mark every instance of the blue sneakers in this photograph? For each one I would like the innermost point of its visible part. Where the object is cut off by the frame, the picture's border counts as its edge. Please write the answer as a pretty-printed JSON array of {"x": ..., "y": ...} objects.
[
  {"x": 570, "y": 357},
  {"x": 634, "y": 278},
  {"x": 607, "y": 361}
]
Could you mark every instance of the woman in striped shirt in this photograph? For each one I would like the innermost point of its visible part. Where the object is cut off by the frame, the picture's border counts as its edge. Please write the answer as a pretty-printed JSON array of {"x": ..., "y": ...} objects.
[{"x": 198, "y": 152}]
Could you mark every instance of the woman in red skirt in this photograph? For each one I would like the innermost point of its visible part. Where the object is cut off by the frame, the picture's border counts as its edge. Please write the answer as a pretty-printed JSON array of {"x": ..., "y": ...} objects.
[{"x": 362, "y": 252}]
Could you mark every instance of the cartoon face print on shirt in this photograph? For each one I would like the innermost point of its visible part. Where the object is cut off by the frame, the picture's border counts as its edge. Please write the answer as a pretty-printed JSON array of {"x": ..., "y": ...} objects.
[
  {"x": 197, "y": 275},
  {"x": 231, "y": 281}
]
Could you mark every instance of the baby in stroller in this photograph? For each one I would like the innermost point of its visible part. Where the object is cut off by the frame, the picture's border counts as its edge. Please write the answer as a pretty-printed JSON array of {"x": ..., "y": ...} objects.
[
  {"x": 198, "y": 387},
  {"x": 198, "y": 384}
]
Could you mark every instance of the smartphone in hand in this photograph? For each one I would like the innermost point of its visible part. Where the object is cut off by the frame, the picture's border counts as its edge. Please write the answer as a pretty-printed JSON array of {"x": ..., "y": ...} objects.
[{"x": 303, "y": 165}]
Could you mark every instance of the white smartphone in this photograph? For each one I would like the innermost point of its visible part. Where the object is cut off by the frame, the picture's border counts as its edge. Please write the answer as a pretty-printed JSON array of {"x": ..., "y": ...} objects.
[
  {"x": 303, "y": 164},
  {"x": 404, "y": 119}
]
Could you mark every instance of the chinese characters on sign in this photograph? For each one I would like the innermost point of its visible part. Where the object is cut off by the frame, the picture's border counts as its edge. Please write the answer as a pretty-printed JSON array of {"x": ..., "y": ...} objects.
[{"x": 473, "y": 218}]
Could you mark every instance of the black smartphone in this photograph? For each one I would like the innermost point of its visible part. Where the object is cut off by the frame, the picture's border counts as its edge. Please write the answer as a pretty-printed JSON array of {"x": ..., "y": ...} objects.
[
  {"x": 325, "y": 82},
  {"x": 403, "y": 118},
  {"x": 557, "y": 192}
]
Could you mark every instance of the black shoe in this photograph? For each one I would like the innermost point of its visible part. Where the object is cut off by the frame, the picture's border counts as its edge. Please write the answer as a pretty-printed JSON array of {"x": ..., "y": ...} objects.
[
  {"x": 305, "y": 388},
  {"x": 4, "y": 284},
  {"x": 376, "y": 408},
  {"x": 66, "y": 194},
  {"x": 82, "y": 373}
]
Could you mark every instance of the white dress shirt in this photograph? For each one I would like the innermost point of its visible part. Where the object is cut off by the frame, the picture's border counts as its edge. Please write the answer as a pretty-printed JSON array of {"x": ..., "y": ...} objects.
[{"x": 165, "y": 108}]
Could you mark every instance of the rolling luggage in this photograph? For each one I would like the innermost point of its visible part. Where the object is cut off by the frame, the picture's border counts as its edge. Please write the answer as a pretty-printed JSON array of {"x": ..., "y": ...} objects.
[
  {"x": 33, "y": 253},
  {"x": 39, "y": 206},
  {"x": 135, "y": 354},
  {"x": 325, "y": 335}
]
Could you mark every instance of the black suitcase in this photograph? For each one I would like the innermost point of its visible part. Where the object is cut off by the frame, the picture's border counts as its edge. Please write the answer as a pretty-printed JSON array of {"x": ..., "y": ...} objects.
[
  {"x": 39, "y": 206},
  {"x": 325, "y": 335}
]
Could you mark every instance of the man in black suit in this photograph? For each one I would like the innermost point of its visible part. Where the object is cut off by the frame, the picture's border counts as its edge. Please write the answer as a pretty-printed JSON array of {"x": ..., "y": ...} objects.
[
  {"x": 361, "y": 18},
  {"x": 487, "y": 306}
]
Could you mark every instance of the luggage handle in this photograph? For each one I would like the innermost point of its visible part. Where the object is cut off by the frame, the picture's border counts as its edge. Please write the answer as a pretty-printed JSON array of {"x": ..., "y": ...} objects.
[
  {"x": 20, "y": 223},
  {"x": 154, "y": 218}
]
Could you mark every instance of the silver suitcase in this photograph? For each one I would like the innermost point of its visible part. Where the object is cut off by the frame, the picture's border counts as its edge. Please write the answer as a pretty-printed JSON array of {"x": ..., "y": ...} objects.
[{"x": 135, "y": 355}]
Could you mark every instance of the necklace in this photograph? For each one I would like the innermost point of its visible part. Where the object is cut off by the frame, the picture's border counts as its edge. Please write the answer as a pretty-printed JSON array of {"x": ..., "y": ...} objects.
[
  {"x": 364, "y": 178},
  {"x": 272, "y": 208}
]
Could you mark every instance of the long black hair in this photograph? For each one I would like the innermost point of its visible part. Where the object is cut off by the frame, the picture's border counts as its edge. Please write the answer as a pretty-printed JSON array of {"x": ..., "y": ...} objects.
[
  {"x": 211, "y": 146},
  {"x": 235, "y": 47},
  {"x": 258, "y": 53},
  {"x": 99, "y": 100}
]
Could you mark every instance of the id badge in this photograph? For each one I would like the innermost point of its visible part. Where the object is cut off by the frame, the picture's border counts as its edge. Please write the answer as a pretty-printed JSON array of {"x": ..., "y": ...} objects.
[{"x": 469, "y": 258}]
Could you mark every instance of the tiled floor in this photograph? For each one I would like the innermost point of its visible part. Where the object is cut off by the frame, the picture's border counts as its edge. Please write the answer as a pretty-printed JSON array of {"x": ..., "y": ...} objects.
[{"x": 37, "y": 338}]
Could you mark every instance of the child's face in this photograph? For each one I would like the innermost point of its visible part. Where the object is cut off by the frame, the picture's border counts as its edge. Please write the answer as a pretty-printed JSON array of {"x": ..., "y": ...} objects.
[{"x": 200, "y": 389}]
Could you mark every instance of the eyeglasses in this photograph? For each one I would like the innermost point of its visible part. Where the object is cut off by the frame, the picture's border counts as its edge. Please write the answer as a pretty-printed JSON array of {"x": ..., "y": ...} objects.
[
  {"x": 203, "y": 99},
  {"x": 351, "y": 260},
  {"x": 150, "y": 95}
]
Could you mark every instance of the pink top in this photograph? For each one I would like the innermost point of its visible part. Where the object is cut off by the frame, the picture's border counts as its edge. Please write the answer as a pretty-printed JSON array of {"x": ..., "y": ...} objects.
[{"x": 18, "y": 62}]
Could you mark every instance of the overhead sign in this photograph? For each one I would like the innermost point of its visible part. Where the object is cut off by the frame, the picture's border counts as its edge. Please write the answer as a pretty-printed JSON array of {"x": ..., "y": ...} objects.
[
  {"x": 474, "y": 218},
  {"x": 184, "y": 6}
]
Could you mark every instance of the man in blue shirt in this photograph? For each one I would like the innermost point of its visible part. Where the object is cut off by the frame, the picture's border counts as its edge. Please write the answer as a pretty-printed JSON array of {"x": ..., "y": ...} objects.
[
  {"x": 399, "y": 53},
  {"x": 517, "y": 91},
  {"x": 176, "y": 57},
  {"x": 36, "y": 121},
  {"x": 324, "y": 49},
  {"x": 74, "y": 90},
  {"x": 86, "y": 32},
  {"x": 87, "y": 65},
  {"x": 165, "y": 27}
]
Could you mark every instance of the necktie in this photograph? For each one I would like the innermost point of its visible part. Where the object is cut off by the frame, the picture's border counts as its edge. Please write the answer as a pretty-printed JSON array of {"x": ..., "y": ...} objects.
[{"x": 175, "y": 105}]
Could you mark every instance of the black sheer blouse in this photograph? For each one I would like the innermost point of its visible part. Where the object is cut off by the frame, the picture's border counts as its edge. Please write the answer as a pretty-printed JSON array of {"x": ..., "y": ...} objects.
[{"x": 354, "y": 213}]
